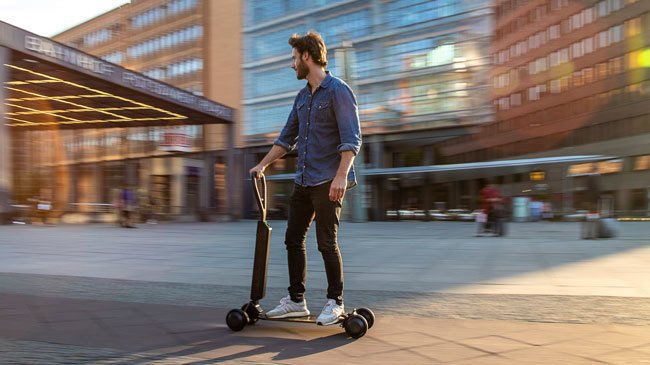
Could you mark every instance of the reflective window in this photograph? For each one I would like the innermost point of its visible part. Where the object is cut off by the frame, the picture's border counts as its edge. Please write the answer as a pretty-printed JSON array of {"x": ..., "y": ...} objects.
[
  {"x": 266, "y": 119},
  {"x": 271, "y": 44},
  {"x": 264, "y": 10},
  {"x": 401, "y": 13},
  {"x": 176, "y": 69},
  {"x": 95, "y": 38},
  {"x": 115, "y": 57},
  {"x": 271, "y": 82},
  {"x": 174, "y": 39},
  {"x": 350, "y": 26},
  {"x": 157, "y": 14}
]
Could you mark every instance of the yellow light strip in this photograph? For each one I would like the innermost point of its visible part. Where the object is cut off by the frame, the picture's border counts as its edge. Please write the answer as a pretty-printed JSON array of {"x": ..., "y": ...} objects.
[
  {"x": 40, "y": 112},
  {"x": 178, "y": 116},
  {"x": 24, "y": 122},
  {"x": 26, "y": 82},
  {"x": 20, "y": 120},
  {"x": 66, "y": 102},
  {"x": 56, "y": 98},
  {"x": 72, "y": 110}
]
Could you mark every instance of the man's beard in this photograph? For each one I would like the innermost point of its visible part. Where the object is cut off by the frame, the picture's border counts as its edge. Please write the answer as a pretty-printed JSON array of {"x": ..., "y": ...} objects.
[{"x": 302, "y": 71}]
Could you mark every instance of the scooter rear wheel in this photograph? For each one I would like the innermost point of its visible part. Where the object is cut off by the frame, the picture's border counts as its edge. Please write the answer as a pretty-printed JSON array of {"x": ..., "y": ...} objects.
[
  {"x": 356, "y": 326},
  {"x": 368, "y": 315}
]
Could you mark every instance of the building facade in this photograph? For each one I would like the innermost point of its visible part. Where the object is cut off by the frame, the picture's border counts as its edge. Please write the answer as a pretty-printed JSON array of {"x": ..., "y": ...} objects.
[
  {"x": 420, "y": 72},
  {"x": 192, "y": 45},
  {"x": 570, "y": 78}
]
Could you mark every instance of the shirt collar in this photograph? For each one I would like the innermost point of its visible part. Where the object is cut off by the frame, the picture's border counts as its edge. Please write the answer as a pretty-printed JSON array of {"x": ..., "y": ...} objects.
[{"x": 326, "y": 81}]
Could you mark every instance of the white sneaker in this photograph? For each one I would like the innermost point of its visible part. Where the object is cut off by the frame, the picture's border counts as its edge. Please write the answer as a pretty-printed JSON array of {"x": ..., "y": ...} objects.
[
  {"x": 330, "y": 314},
  {"x": 288, "y": 308}
]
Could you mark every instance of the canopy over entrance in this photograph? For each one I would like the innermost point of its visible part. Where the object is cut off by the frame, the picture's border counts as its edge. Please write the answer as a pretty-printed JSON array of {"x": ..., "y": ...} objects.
[{"x": 49, "y": 84}]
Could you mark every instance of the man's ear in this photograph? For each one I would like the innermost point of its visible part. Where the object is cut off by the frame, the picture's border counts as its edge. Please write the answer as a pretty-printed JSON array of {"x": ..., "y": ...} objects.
[{"x": 305, "y": 56}]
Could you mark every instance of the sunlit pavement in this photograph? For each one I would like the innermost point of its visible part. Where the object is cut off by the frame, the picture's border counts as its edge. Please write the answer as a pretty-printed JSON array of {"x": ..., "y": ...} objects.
[{"x": 159, "y": 294}]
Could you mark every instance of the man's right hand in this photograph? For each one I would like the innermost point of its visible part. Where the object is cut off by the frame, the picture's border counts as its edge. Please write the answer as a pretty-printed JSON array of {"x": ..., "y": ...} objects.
[{"x": 258, "y": 171}]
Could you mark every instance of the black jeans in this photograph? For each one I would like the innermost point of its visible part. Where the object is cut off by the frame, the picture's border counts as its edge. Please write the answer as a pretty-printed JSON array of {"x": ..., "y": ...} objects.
[{"x": 307, "y": 204}]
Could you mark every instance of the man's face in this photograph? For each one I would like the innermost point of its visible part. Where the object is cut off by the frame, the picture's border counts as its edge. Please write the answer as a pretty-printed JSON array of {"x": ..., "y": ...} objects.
[{"x": 299, "y": 65}]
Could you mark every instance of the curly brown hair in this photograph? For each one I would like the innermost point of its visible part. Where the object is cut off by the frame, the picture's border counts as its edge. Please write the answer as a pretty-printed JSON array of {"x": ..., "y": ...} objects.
[{"x": 311, "y": 43}]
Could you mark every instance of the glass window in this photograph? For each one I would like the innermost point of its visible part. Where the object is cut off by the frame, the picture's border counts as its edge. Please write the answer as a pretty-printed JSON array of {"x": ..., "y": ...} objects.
[
  {"x": 267, "y": 119},
  {"x": 352, "y": 25}
]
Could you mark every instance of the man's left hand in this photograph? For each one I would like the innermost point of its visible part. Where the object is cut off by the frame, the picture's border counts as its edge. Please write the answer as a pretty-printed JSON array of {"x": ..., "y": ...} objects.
[{"x": 337, "y": 189}]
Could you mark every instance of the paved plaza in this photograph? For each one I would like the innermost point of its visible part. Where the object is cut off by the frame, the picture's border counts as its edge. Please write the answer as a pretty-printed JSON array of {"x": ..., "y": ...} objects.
[{"x": 159, "y": 294}]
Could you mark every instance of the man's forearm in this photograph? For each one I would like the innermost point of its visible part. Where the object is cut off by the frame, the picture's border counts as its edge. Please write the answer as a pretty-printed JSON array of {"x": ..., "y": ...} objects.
[
  {"x": 275, "y": 153},
  {"x": 347, "y": 157}
]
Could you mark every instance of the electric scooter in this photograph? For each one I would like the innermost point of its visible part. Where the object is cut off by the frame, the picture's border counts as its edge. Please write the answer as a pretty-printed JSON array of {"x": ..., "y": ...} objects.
[{"x": 355, "y": 323}]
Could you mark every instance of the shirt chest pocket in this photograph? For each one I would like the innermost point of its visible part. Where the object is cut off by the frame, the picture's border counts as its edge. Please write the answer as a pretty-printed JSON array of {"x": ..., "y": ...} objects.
[
  {"x": 323, "y": 112},
  {"x": 303, "y": 113}
]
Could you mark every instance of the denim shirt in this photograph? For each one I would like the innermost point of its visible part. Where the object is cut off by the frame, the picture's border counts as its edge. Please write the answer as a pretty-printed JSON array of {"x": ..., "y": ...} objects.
[{"x": 322, "y": 125}]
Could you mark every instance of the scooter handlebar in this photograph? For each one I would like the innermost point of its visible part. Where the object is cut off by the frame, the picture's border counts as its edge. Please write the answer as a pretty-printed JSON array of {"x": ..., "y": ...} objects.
[{"x": 259, "y": 199}]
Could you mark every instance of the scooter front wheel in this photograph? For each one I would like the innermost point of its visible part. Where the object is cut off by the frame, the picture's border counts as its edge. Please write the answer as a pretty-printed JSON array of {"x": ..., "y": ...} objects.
[{"x": 236, "y": 319}]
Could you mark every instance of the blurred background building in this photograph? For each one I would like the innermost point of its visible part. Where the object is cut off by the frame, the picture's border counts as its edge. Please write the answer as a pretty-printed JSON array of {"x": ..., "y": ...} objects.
[
  {"x": 569, "y": 78},
  {"x": 190, "y": 44},
  {"x": 420, "y": 70},
  {"x": 536, "y": 95}
]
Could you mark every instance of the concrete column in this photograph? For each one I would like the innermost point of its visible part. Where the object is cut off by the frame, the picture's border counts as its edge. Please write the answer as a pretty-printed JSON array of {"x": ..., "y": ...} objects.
[
  {"x": 376, "y": 154},
  {"x": 426, "y": 193},
  {"x": 5, "y": 142},
  {"x": 473, "y": 193},
  {"x": 622, "y": 201},
  {"x": 206, "y": 187},
  {"x": 231, "y": 173}
]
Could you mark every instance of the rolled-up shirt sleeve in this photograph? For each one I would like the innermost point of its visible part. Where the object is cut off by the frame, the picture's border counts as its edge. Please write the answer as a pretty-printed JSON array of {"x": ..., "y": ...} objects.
[
  {"x": 347, "y": 117},
  {"x": 288, "y": 138}
]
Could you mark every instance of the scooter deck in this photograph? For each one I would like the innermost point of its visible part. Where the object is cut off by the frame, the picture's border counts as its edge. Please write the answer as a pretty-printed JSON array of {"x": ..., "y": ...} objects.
[{"x": 305, "y": 319}]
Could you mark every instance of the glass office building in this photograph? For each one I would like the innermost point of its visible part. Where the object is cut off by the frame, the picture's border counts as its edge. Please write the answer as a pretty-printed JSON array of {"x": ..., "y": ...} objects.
[
  {"x": 570, "y": 78},
  {"x": 420, "y": 70}
]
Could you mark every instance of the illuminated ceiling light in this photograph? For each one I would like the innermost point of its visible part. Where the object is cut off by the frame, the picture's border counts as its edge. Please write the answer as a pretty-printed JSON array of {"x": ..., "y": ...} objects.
[
  {"x": 66, "y": 102},
  {"x": 178, "y": 116},
  {"x": 25, "y": 122},
  {"x": 55, "y": 98},
  {"x": 84, "y": 110},
  {"x": 40, "y": 112}
]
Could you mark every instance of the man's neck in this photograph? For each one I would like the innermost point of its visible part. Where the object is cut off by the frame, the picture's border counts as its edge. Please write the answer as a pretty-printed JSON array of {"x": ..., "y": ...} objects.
[{"x": 315, "y": 77}]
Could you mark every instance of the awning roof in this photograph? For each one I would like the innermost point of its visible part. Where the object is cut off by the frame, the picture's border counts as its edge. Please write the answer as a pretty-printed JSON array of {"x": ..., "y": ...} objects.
[{"x": 49, "y": 84}]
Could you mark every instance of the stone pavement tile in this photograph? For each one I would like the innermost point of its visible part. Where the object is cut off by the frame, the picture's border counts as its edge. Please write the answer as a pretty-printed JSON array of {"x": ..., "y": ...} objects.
[
  {"x": 640, "y": 331},
  {"x": 488, "y": 360},
  {"x": 407, "y": 338},
  {"x": 544, "y": 356},
  {"x": 625, "y": 357},
  {"x": 494, "y": 344},
  {"x": 620, "y": 340},
  {"x": 545, "y": 333},
  {"x": 581, "y": 347},
  {"x": 448, "y": 352},
  {"x": 378, "y": 354}
]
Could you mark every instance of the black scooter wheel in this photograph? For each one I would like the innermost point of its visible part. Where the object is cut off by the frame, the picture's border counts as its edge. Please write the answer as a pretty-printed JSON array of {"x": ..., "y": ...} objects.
[
  {"x": 253, "y": 313},
  {"x": 356, "y": 326},
  {"x": 236, "y": 319},
  {"x": 368, "y": 315}
]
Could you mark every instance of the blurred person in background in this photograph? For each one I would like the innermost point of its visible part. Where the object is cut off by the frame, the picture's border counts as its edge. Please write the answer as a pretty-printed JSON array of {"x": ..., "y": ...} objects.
[
  {"x": 324, "y": 125},
  {"x": 491, "y": 202},
  {"x": 128, "y": 208}
]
